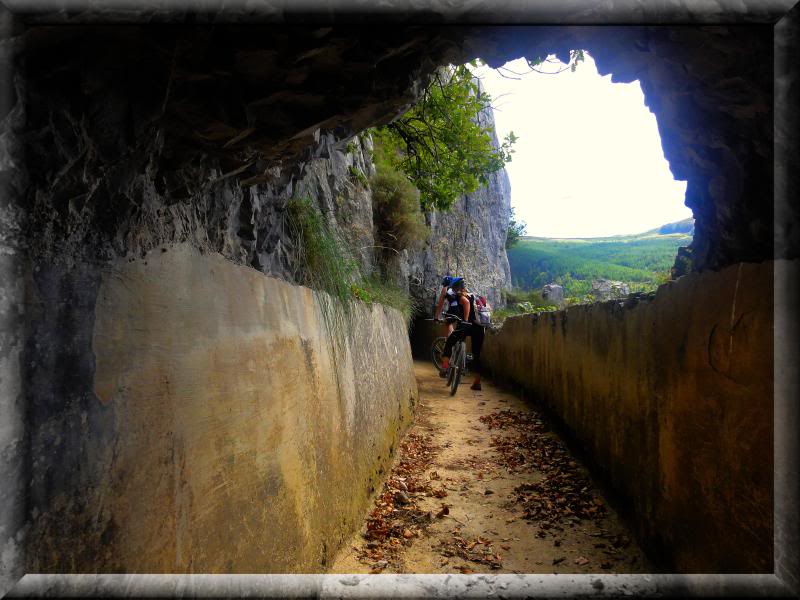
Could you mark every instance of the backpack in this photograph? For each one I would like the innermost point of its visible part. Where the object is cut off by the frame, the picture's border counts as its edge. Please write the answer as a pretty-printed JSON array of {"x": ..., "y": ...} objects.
[{"x": 483, "y": 312}]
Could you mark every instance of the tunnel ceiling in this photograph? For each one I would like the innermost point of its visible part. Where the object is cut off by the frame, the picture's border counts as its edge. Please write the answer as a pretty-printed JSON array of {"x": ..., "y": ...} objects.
[{"x": 253, "y": 97}]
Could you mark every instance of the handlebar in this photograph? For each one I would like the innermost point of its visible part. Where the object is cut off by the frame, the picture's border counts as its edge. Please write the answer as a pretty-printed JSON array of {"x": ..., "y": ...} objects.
[{"x": 449, "y": 316}]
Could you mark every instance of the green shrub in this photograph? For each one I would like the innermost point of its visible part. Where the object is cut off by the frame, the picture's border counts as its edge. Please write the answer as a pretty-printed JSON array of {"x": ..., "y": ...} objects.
[
  {"x": 397, "y": 217},
  {"x": 524, "y": 308},
  {"x": 534, "y": 298},
  {"x": 522, "y": 302}
]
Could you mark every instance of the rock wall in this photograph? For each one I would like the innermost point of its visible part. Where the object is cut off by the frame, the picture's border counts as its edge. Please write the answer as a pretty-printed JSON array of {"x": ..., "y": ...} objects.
[
  {"x": 672, "y": 398},
  {"x": 148, "y": 128},
  {"x": 188, "y": 415}
]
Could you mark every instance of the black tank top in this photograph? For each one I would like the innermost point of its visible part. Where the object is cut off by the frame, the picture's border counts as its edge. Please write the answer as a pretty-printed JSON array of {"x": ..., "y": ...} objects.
[{"x": 457, "y": 309}]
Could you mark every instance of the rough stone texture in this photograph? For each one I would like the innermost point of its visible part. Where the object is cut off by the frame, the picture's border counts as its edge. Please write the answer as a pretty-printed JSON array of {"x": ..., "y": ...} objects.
[
  {"x": 787, "y": 300},
  {"x": 672, "y": 397},
  {"x": 605, "y": 289},
  {"x": 787, "y": 423},
  {"x": 408, "y": 587},
  {"x": 338, "y": 182},
  {"x": 13, "y": 404},
  {"x": 469, "y": 241},
  {"x": 186, "y": 417},
  {"x": 146, "y": 124},
  {"x": 554, "y": 293}
]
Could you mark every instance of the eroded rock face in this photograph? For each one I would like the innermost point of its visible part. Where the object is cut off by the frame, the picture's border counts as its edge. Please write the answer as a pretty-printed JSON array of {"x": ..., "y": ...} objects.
[
  {"x": 605, "y": 289},
  {"x": 135, "y": 136},
  {"x": 554, "y": 293}
]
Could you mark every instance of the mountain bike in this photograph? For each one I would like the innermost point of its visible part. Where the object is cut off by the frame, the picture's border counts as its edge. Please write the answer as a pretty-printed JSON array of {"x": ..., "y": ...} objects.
[
  {"x": 458, "y": 358},
  {"x": 437, "y": 347}
]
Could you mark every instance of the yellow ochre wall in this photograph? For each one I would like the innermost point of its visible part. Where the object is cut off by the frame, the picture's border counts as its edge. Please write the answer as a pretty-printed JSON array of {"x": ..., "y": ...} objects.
[
  {"x": 213, "y": 436},
  {"x": 672, "y": 398}
]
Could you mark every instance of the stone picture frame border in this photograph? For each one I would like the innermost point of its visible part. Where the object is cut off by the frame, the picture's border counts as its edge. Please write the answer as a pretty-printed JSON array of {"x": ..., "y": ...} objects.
[{"x": 785, "y": 581}]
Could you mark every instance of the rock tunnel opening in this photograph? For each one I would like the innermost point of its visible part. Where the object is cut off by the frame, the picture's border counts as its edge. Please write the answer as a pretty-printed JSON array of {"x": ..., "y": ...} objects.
[
  {"x": 159, "y": 159},
  {"x": 589, "y": 180},
  {"x": 240, "y": 101},
  {"x": 588, "y": 160}
]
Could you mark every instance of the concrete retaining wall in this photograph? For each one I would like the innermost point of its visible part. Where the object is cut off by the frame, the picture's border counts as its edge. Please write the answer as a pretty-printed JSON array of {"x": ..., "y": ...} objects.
[
  {"x": 185, "y": 416},
  {"x": 673, "y": 400}
]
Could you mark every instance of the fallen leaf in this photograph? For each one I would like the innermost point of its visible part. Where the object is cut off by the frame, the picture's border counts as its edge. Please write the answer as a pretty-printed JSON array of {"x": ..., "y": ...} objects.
[
  {"x": 581, "y": 561},
  {"x": 559, "y": 560}
]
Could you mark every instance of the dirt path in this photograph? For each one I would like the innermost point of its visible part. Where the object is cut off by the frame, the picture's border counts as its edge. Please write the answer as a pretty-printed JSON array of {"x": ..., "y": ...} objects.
[{"x": 481, "y": 485}]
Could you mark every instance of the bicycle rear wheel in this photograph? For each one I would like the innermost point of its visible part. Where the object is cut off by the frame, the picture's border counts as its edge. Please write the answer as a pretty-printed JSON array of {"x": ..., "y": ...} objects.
[
  {"x": 436, "y": 351},
  {"x": 451, "y": 370},
  {"x": 458, "y": 366}
]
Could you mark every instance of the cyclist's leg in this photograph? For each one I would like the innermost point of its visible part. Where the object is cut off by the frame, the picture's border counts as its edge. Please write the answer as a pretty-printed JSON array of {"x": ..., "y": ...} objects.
[
  {"x": 477, "y": 333},
  {"x": 448, "y": 349},
  {"x": 448, "y": 346}
]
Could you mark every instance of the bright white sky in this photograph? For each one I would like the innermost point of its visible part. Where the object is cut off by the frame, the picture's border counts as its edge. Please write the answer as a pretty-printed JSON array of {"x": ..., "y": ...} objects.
[{"x": 588, "y": 161}]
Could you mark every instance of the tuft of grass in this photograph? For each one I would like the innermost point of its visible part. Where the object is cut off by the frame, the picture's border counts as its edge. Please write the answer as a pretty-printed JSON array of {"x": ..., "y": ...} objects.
[
  {"x": 324, "y": 263},
  {"x": 375, "y": 290},
  {"x": 358, "y": 175}
]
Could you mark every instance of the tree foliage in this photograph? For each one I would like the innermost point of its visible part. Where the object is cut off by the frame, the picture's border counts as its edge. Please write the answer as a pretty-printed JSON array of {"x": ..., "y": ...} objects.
[
  {"x": 515, "y": 230},
  {"x": 441, "y": 144}
]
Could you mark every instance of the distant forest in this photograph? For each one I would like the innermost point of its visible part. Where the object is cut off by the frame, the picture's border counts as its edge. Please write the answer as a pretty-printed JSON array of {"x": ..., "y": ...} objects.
[{"x": 642, "y": 261}]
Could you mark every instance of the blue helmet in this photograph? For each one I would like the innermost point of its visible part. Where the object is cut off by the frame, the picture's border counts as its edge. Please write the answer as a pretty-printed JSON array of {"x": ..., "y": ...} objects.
[
  {"x": 447, "y": 280},
  {"x": 456, "y": 282}
]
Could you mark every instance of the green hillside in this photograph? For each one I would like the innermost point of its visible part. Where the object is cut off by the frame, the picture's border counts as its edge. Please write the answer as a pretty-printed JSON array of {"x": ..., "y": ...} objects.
[{"x": 643, "y": 261}]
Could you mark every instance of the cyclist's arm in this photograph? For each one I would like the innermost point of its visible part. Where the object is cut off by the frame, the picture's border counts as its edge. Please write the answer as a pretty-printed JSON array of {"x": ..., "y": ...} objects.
[{"x": 440, "y": 303}]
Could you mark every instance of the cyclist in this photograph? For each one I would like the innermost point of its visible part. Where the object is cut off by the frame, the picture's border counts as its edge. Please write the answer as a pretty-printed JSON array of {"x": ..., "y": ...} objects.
[
  {"x": 465, "y": 310},
  {"x": 447, "y": 301}
]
